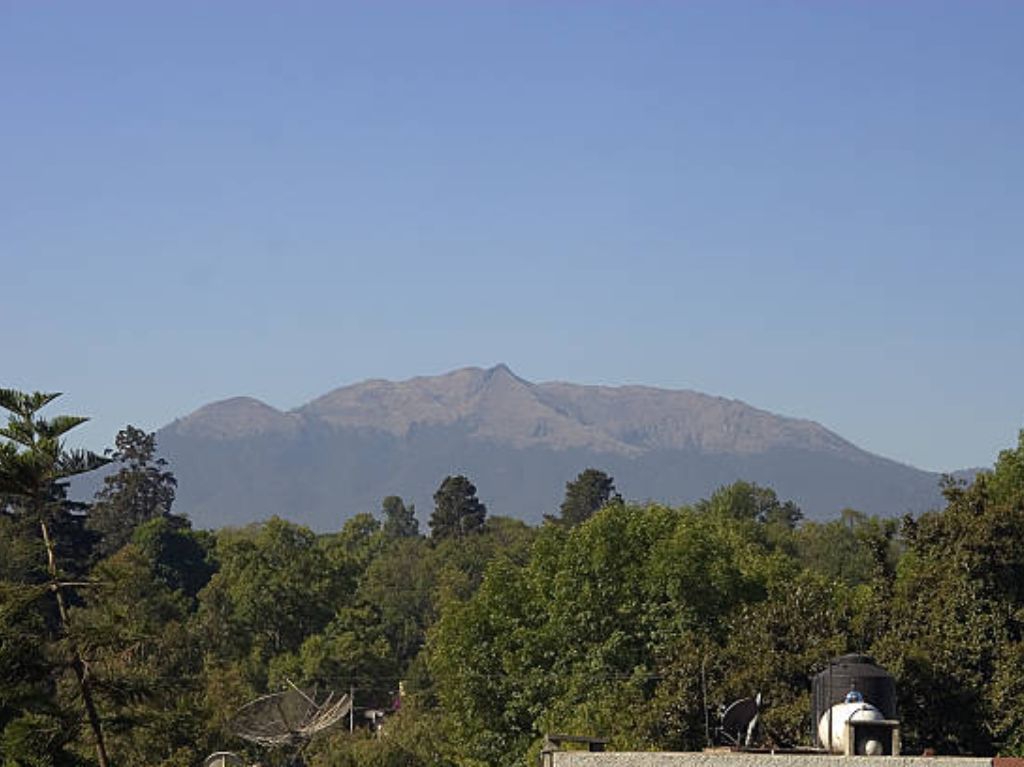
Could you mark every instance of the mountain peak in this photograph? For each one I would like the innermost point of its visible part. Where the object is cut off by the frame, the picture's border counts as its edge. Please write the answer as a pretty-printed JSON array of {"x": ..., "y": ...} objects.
[
  {"x": 235, "y": 418},
  {"x": 501, "y": 374},
  {"x": 501, "y": 369}
]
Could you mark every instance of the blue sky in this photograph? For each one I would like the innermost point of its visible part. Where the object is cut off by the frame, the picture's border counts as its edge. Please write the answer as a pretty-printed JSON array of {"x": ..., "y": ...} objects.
[{"x": 815, "y": 207}]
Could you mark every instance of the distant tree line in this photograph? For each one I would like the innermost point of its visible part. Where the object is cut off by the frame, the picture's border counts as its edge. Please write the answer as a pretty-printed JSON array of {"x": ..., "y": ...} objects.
[{"x": 128, "y": 637}]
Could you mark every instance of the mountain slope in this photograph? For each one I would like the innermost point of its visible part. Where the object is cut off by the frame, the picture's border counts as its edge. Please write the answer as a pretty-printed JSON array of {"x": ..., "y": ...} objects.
[{"x": 240, "y": 460}]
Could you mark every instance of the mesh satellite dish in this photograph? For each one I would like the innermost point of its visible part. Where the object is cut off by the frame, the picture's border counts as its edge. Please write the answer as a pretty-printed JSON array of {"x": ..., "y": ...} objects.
[
  {"x": 739, "y": 721},
  {"x": 288, "y": 718}
]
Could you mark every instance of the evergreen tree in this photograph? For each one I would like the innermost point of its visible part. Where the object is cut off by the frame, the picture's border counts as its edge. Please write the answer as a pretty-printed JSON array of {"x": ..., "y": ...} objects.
[
  {"x": 457, "y": 510},
  {"x": 585, "y": 495},
  {"x": 140, "y": 490},
  {"x": 143, "y": 662},
  {"x": 399, "y": 520},
  {"x": 35, "y": 468}
]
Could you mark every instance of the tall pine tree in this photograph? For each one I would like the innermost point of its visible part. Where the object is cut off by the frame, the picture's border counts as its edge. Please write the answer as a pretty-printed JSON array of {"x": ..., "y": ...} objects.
[
  {"x": 457, "y": 510},
  {"x": 35, "y": 468}
]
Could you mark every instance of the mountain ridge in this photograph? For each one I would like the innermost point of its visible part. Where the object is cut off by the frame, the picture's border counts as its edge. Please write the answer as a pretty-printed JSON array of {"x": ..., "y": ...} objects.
[
  {"x": 354, "y": 404},
  {"x": 240, "y": 459}
]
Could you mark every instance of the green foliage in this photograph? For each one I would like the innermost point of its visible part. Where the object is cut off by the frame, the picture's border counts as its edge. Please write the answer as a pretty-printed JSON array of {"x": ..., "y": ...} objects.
[
  {"x": 35, "y": 468},
  {"x": 350, "y": 651},
  {"x": 958, "y": 613},
  {"x": 413, "y": 737},
  {"x": 399, "y": 520},
  {"x": 133, "y": 629},
  {"x": 1006, "y": 697},
  {"x": 274, "y": 588},
  {"x": 34, "y": 464},
  {"x": 591, "y": 490},
  {"x": 22, "y": 553},
  {"x": 400, "y": 585},
  {"x": 580, "y": 633},
  {"x": 181, "y": 558},
  {"x": 625, "y": 621},
  {"x": 855, "y": 549},
  {"x": 356, "y": 545},
  {"x": 140, "y": 490},
  {"x": 1006, "y": 483},
  {"x": 749, "y": 502},
  {"x": 459, "y": 564},
  {"x": 457, "y": 510},
  {"x": 40, "y": 740},
  {"x": 27, "y": 680},
  {"x": 775, "y": 644}
]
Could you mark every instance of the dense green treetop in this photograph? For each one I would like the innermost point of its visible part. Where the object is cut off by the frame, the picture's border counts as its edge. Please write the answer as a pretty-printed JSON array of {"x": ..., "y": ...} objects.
[
  {"x": 399, "y": 520},
  {"x": 591, "y": 490},
  {"x": 1006, "y": 482},
  {"x": 35, "y": 470},
  {"x": 141, "y": 489},
  {"x": 457, "y": 510}
]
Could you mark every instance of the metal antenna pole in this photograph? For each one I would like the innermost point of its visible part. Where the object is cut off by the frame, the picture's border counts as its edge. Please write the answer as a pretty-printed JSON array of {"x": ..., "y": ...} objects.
[
  {"x": 829, "y": 703},
  {"x": 704, "y": 691}
]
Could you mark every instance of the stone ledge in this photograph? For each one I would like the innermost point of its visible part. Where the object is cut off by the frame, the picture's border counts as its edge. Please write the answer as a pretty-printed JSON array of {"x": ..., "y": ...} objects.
[{"x": 693, "y": 759}]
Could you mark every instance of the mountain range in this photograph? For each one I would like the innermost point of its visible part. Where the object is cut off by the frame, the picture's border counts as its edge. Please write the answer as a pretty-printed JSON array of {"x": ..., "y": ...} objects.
[{"x": 240, "y": 460}]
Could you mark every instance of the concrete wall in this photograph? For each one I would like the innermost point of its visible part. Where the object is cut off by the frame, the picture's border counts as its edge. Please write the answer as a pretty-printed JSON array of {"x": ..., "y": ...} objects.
[{"x": 664, "y": 759}]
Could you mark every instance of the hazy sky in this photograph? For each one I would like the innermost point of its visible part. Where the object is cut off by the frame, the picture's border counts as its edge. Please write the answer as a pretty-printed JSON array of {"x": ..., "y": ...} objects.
[{"x": 815, "y": 207}]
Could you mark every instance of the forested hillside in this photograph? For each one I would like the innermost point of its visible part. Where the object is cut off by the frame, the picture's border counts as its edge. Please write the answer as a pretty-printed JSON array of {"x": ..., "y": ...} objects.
[{"x": 127, "y": 637}]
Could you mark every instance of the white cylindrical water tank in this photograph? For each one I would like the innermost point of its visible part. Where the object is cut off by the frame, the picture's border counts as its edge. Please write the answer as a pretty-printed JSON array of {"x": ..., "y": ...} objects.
[{"x": 839, "y": 715}]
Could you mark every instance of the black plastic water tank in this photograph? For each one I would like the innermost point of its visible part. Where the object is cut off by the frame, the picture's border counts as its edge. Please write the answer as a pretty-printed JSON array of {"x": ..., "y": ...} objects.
[{"x": 852, "y": 672}]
